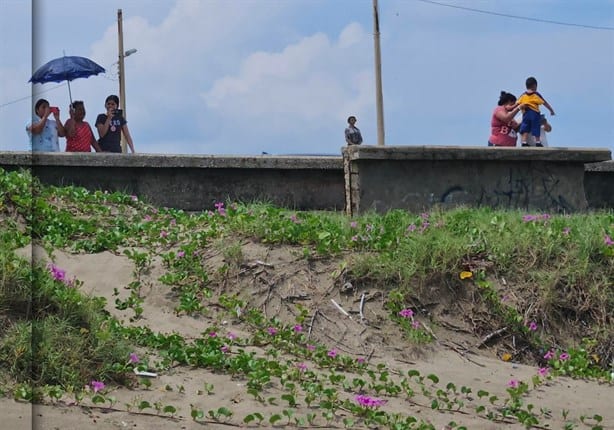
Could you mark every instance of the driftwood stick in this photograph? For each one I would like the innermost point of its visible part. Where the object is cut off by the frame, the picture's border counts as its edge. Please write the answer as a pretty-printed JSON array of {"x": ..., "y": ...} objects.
[
  {"x": 313, "y": 318},
  {"x": 362, "y": 303},
  {"x": 490, "y": 336},
  {"x": 338, "y": 306}
]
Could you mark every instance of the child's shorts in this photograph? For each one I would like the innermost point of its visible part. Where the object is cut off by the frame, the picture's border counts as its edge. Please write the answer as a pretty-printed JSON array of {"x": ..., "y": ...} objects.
[{"x": 531, "y": 121}]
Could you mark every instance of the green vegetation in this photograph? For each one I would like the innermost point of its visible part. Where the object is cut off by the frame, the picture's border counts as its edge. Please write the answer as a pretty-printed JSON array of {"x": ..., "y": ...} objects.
[{"x": 55, "y": 339}]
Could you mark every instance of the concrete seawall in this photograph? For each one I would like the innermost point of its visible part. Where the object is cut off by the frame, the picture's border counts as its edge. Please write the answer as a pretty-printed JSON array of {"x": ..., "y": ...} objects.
[{"x": 196, "y": 182}]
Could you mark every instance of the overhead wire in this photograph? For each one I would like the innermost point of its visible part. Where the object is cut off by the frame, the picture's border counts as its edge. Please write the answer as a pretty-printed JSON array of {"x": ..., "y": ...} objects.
[{"x": 526, "y": 18}]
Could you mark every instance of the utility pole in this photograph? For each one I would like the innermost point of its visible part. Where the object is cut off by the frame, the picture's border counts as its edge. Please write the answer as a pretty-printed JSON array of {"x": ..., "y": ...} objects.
[
  {"x": 379, "y": 98},
  {"x": 122, "y": 81}
]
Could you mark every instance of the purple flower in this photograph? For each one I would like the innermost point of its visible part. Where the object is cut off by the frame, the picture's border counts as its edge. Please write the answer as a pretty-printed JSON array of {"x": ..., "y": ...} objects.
[
  {"x": 57, "y": 273},
  {"x": 163, "y": 233},
  {"x": 225, "y": 349},
  {"x": 424, "y": 216},
  {"x": 212, "y": 334},
  {"x": 549, "y": 355},
  {"x": 294, "y": 219},
  {"x": 532, "y": 326},
  {"x": 332, "y": 353},
  {"x": 146, "y": 218},
  {"x": 354, "y": 238},
  {"x": 360, "y": 360},
  {"x": 564, "y": 356},
  {"x": 173, "y": 222},
  {"x": 180, "y": 254},
  {"x": 298, "y": 328},
  {"x": 411, "y": 227},
  {"x": 406, "y": 313},
  {"x": 529, "y": 218},
  {"x": 543, "y": 371},
  {"x": 231, "y": 336},
  {"x": 513, "y": 383},
  {"x": 310, "y": 347},
  {"x": 272, "y": 331},
  {"x": 301, "y": 367},
  {"x": 608, "y": 240},
  {"x": 415, "y": 325},
  {"x": 133, "y": 358},
  {"x": 368, "y": 401},
  {"x": 97, "y": 386},
  {"x": 353, "y": 224},
  {"x": 220, "y": 208}
]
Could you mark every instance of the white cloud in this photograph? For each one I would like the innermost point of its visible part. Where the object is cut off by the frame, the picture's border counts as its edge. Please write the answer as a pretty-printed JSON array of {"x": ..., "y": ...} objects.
[{"x": 312, "y": 80}]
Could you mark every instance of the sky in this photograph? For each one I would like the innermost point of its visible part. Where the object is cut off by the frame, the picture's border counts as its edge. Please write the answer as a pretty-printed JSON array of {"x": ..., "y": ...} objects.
[{"x": 243, "y": 77}]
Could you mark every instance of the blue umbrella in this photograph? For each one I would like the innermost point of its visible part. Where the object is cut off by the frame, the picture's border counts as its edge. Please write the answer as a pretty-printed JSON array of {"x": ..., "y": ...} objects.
[{"x": 66, "y": 69}]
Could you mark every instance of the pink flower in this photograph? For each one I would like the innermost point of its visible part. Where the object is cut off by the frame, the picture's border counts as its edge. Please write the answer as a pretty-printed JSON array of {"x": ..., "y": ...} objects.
[
  {"x": 212, "y": 334},
  {"x": 294, "y": 219},
  {"x": 225, "y": 349},
  {"x": 57, "y": 273},
  {"x": 608, "y": 240},
  {"x": 301, "y": 367},
  {"x": 543, "y": 371},
  {"x": 513, "y": 383},
  {"x": 180, "y": 254},
  {"x": 173, "y": 222},
  {"x": 529, "y": 218},
  {"x": 298, "y": 328},
  {"x": 97, "y": 386},
  {"x": 310, "y": 347},
  {"x": 415, "y": 325},
  {"x": 566, "y": 231},
  {"x": 163, "y": 233},
  {"x": 134, "y": 198},
  {"x": 424, "y": 216},
  {"x": 231, "y": 336},
  {"x": 406, "y": 313},
  {"x": 332, "y": 353},
  {"x": 220, "y": 208},
  {"x": 360, "y": 360},
  {"x": 146, "y": 218},
  {"x": 353, "y": 224},
  {"x": 532, "y": 326},
  {"x": 564, "y": 356},
  {"x": 411, "y": 227},
  {"x": 549, "y": 355},
  {"x": 272, "y": 331},
  {"x": 369, "y": 402},
  {"x": 133, "y": 358},
  {"x": 354, "y": 238}
]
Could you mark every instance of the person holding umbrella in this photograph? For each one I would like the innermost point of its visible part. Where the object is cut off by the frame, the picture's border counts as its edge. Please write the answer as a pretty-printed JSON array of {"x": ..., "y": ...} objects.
[
  {"x": 111, "y": 125},
  {"x": 43, "y": 131}
]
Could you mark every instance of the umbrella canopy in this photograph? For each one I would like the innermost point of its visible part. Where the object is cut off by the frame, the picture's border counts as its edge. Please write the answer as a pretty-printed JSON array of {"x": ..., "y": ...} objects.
[{"x": 66, "y": 68}]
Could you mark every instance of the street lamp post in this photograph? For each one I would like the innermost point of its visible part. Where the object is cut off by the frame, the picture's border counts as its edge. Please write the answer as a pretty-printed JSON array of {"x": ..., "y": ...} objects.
[
  {"x": 379, "y": 98},
  {"x": 121, "y": 74}
]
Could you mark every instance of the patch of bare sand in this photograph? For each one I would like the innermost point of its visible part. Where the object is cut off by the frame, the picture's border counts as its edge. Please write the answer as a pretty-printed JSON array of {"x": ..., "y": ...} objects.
[{"x": 275, "y": 279}]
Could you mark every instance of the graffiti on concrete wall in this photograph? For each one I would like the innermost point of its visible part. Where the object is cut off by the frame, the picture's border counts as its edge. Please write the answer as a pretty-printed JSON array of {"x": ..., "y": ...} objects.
[{"x": 515, "y": 190}]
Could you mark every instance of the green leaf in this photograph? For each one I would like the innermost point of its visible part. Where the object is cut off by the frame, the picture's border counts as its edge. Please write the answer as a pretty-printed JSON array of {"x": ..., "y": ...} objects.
[
  {"x": 197, "y": 414},
  {"x": 483, "y": 393},
  {"x": 433, "y": 378},
  {"x": 224, "y": 411},
  {"x": 274, "y": 418},
  {"x": 169, "y": 409}
]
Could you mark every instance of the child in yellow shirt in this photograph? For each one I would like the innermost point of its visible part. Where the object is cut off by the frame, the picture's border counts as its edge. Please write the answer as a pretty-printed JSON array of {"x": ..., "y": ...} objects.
[{"x": 531, "y": 118}]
